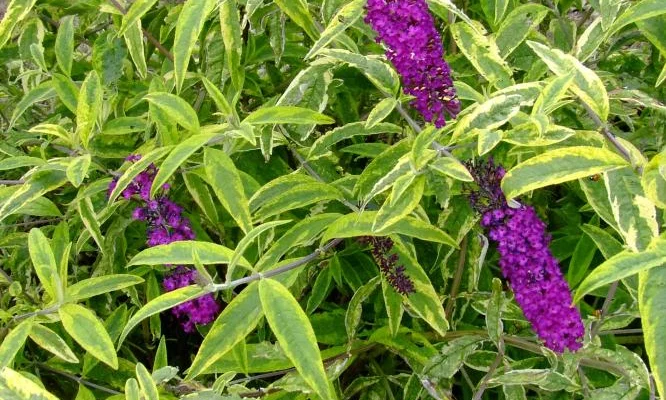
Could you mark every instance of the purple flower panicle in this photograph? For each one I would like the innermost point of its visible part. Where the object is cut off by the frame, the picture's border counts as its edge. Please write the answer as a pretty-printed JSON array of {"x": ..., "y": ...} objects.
[
  {"x": 527, "y": 263},
  {"x": 166, "y": 224},
  {"x": 415, "y": 49},
  {"x": 387, "y": 260}
]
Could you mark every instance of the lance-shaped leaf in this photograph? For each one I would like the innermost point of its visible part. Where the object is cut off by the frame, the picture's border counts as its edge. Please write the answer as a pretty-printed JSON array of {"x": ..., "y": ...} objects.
[
  {"x": 233, "y": 41},
  {"x": 236, "y": 321},
  {"x": 99, "y": 285},
  {"x": 53, "y": 343},
  {"x": 586, "y": 84},
  {"x": 64, "y": 44},
  {"x": 40, "y": 183},
  {"x": 354, "y": 310},
  {"x": 134, "y": 41},
  {"x": 298, "y": 11},
  {"x": 292, "y": 328},
  {"x": 15, "y": 12},
  {"x": 557, "y": 166},
  {"x": 188, "y": 27},
  {"x": 348, "y": 131},
  {"x": 225, "y": 180},
  {"x": 287, "y": 115},
  {"x": 45, "y": 264},
  {"x": 178, "y": 156},
  {"x": 375, "y": 69},
  {"x": 652, "y": 302},
  {"x": 88, "y": 107},
  {"x": 41, "y": 92},
  {"x": 89, "y": 219},
  {"x": 135, "y": 169},
  {"x": 344, "y": 18},
  {"x": 395, "y": 209},
  {"x": 137, "y": 10},
  {"x": 15, "y": 385},
  {"x": 176, "y": 109},
  {"x": 489, "y": 115},
  {"x": 245, "y": 242},
  {"x": 622, "y": 265},
  {"x": 84, "y": 327},
  {"x": 180, "y": 252},
  {"x": 13, "y": 342}
]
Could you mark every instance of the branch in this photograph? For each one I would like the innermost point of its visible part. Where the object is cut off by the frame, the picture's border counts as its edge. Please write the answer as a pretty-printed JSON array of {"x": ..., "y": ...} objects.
[
  {"x": 438, "y": 147},
  {"x": 484, "y": 382},
  {"x": 146, "y": 34},
  {"x": 31, "y": 223},
  {"x": 277, "y": 271},
  {"x": 456, "y": 279},
  {"x": 607, "y": 133},
  {"x": 604, "y": 309},
  {"x": 12, "y": 181},
  {"x": 308, "y": 168},
  {"x": 79, "y": 380}
]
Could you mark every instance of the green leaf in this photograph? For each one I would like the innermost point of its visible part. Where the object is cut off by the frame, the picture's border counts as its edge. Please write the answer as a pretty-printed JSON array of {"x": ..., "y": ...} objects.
[
  {"x": 353, "y": 315},
  {"x": 15, "y": 386},
  {"x": 586, "y": 84},
  {"x": 393, "y": 210},
  {"x": 324, "y": 142},
  {"x": 135, "y": 169},
  {"x": 45, "y": 264},
  {"x": 188, "y": 27},
  {"x": 557, "y": 166},
  {"x": 374, "y": 68},
  {"x": 39, "y": 184},
  {"x": 297, "y": 197},
  {"x": 494, "y": 323},
  {"x": 90, "y": 221},
  {"x": 132, "y": 391},
  {"x": 64, "y": 44},
  {"x": 638, "y": 12},
  {"x": 13, "y": 342},
  {"x": 51, "y": 342},
  {"x": 84, "y": 327},
  {"x": 489, "y": 115},
  {"x": 443, "y": 7},
  {"x": 177, "y": 157},
  {"x": 320, "y": 290},
  {"x": 134, "y": 42},
  {"x": 393, "y": 304},
  {"x": 300, "y": 234},
  {"x": 78, "y": 169},
  {"x": 549, "y": 98},
  {"x": 483, "y": 53},
  {"x": 605, "y": 242},
  {"x": 67, "y": 91},
  {"x": 652, "y": 302},
  {"x": 220, "y": 101},
  {"x": 233, "y": 42},
  {"x": 424, "y": 300},
  {"x": 236, "y": 321},
  {"x": 654, "y": 184},
  {"x": 622, "y": 265},
  {"x": 148, "y": 387},
  {"x": 517, "y": 26},
  {"x": 451, "y": 357},
  {"x": 451, "y": 167},
  {"x": 15, "y": 12},
  {"x": 298, "y": 11},
  {"x": 161, "y": 303},
  {"x": 201, "y": 195},
  {"x": 99, "y": 285},
  {"x": 295, "y": 334},
  {"x": 277, "y": 186},
  {"x": 287, "y": 115},
  {"x": 19, "y": 162},
  {"x": 487, "y": 140},
  {"x": 175, "y": 108},
  {"x": 41, "y": 92},
  {"x": 245, "y": 242},
  {"x": 228, "y": 187},
  {"x": 136, "y": 10},
  {"x": 88, "y": 107},
  {"x": 581, "y": 260},
  {"x": 608, "y": 10},
  {"x": 634, "y": 213},
  {"x": 352, "y": 225},
  {"x": 343, "y": 19},
  {"x": 180, "y": 252},
  {"x": 382, "y": 110}
]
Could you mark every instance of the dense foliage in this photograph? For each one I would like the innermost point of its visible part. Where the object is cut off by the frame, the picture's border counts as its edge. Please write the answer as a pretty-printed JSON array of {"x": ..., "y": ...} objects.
[{"x": 373, "y": 199}]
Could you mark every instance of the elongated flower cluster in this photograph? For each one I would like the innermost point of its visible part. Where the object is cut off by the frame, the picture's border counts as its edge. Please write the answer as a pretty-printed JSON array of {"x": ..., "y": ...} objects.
[
  {"x": 166, "y": 224},
  {"x": 415, "y": 49},
  {"x": 527, "y": 263},
  {"x": 387, "y": 260}
]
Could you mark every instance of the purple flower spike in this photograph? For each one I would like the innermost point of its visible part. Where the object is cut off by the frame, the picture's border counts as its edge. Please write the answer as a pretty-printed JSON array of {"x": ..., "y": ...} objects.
[
  {"x": 527, "y": 263},
  {"x": 414, "y": 46},
  {"x": 387, "y": 260},
  {"x": 166, "y": 224}
]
